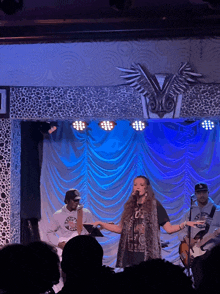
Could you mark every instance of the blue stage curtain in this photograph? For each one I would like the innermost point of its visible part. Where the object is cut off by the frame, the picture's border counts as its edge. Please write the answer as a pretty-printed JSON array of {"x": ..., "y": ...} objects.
[{"x": 102, "y": 166}]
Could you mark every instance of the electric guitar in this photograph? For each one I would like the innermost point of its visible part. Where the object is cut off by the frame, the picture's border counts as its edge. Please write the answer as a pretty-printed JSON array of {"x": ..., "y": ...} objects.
[{"x": 195, "y": 248}]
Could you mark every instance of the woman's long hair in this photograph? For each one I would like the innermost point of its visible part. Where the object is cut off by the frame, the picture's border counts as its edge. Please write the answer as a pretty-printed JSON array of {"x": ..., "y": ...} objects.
[{"x": 130, "y": 205}]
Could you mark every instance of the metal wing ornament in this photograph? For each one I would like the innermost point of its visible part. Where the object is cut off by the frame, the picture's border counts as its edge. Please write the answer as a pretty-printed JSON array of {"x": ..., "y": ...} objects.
[{"x": 160, "y": 91}]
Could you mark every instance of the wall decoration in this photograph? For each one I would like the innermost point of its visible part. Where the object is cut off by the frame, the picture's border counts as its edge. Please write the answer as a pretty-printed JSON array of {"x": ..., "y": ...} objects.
[{"x": 161, "y": 92}]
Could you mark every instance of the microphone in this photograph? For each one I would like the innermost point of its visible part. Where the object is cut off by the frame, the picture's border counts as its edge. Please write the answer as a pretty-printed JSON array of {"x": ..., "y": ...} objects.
[
  {"x": 80, "y": 206},
  {"x": 136, "y": 193},
  {"x": 193, "y": 197}
]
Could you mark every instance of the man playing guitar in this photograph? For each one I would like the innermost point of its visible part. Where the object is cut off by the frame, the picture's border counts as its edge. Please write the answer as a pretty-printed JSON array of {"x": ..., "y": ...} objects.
[
  {"x": 203, "y": 236},
  {"x": 67, "y": 222}
]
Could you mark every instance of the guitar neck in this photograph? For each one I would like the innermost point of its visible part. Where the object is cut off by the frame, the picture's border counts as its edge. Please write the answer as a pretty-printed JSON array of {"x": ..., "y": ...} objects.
[{"x": 209, "y": 237}]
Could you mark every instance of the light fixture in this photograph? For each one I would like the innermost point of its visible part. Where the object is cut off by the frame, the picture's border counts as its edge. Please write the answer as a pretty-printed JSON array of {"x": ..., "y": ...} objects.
[
  {"x": 107, "y": 125},
  {"x": 53, "y": 127},
  {"x": 48, "y": 127},
  {"x": 208, "y": 124},
  {"x": 138, "y": 125},
  {"x": 79, "y": 125}
]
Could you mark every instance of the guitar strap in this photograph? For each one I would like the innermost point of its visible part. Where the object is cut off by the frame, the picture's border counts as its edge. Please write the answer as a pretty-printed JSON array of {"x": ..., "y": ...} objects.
[
  {"x": 211, "y": 216},
  {"x": 79, "y": 223}
]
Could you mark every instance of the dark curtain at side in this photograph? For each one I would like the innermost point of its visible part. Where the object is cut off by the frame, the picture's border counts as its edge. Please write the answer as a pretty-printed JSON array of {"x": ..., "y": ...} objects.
[{"x": 31, "y": 139}]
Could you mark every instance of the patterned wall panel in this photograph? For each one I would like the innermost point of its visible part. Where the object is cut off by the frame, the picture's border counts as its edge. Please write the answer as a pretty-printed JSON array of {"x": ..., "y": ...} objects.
[
  {"x": 5, "y": 180},
  {"x": 119, "y": 102},
  {"x": 201, "y": 100},
  {"x": 76, "y": 102}
]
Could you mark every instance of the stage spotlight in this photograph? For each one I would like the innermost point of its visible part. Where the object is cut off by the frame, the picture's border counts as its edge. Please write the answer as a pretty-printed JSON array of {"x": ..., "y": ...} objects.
[
  {"x": 107, "y": 125},
  {"x": 138, "y": 125},
  {"x": 79, "y": 125},
  {"x": 53, "y": 127},
  {"x": 48, "y": 127},
  {"x": 208, "y": 124}
]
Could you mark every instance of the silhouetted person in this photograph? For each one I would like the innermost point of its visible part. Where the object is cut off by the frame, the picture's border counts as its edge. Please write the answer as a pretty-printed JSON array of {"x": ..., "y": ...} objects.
[
  {"x": 11, "y": 6},
  {"x": 152, "y": 276},
  {"x": 48, "y": 262},
  {"x": 211, "y": 272},
  {"x": 82, "y": 264},
  {"x": 31, "y": 269}
]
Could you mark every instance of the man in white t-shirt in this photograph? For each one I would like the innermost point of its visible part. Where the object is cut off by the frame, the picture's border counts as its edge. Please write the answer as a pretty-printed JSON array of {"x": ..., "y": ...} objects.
[{"x": 67, "y": 222}]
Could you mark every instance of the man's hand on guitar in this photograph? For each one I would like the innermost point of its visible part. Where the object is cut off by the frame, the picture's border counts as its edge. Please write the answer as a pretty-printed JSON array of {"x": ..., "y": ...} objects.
[{"x": 61, "y": 244}]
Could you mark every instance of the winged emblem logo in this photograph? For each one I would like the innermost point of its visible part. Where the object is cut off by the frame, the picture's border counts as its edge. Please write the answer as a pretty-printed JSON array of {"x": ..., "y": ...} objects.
[{"x": 160, "y": 91}]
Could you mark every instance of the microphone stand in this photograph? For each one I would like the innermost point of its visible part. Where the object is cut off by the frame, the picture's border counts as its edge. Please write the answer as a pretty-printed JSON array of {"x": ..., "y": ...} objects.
[
  {"x": 133, "y": 237},
  {"x": 189, "y": 234}
]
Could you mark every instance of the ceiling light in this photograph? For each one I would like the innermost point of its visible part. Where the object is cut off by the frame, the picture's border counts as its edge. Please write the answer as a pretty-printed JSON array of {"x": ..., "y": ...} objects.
[
  {"x": 208, "y": 124},
  {"x": 138, "y": 125},
  {"x": 107, "y": 125},
  {"x": 79, "y": 125}
]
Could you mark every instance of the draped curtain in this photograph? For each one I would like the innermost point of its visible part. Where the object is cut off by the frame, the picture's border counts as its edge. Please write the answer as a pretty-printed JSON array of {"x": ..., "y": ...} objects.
[{"x": 102, "y": 165}]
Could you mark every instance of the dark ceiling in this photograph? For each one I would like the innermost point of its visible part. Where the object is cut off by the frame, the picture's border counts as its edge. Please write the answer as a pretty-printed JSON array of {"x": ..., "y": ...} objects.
[{"x": 78, "y": 20}]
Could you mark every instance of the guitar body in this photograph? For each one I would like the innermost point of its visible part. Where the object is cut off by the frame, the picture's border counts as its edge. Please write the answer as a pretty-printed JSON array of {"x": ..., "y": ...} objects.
[
  {"x": 184, "y": 253},
  {"x": 187, "y": 255},
  {"x": 196, "y": 250}
]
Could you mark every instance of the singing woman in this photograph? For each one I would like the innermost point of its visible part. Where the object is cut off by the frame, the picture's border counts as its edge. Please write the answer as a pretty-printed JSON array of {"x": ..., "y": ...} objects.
[{"x": 140, "y": 225}]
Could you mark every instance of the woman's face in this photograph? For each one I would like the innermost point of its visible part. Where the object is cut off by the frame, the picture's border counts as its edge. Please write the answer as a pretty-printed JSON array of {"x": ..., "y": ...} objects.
[{"x": 140, "y": 185}]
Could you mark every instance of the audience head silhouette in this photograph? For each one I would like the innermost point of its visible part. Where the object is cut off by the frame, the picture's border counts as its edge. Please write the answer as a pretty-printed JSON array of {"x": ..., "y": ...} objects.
[
  {"x": 156, "y": 276},
  {"x": 211, "y": 272},
  {"x": 81, "y": 253},
  {"x": 28, "y": 269}
]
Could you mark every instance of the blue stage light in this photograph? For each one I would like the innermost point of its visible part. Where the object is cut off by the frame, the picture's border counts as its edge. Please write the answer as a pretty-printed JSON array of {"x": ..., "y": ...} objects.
[
  {"x": 107, "y": 125},
  {"x": 208, "y": 124},
  {"x": 138, "y": 125}
]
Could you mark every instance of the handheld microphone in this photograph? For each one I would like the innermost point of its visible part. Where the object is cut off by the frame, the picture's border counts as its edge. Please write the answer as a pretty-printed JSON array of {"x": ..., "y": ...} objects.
[
  {"x": 80, "y": 206},
  {"x": 136, "y": 194}
]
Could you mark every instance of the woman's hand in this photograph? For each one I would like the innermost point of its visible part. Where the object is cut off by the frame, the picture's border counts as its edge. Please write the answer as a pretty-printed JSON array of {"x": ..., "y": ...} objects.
[
  {"x": 108, "y": 226},
  {"x": 98, "y": 224},
  {"x": 194, "y": 224}
]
